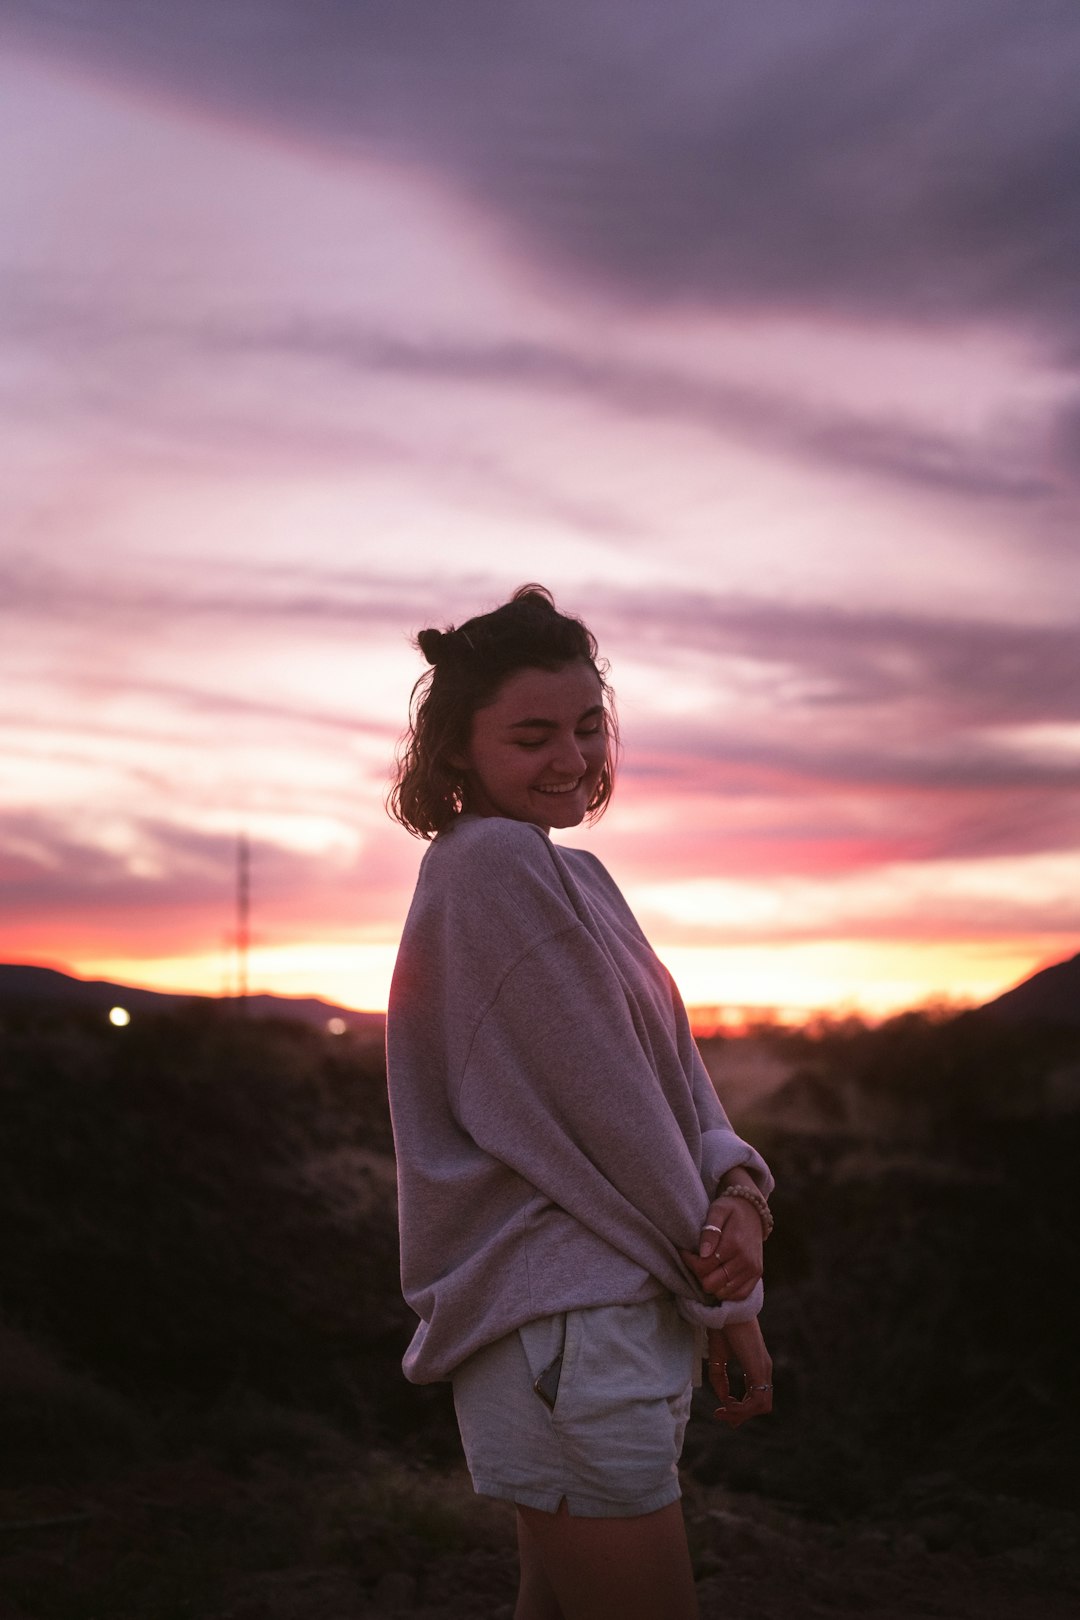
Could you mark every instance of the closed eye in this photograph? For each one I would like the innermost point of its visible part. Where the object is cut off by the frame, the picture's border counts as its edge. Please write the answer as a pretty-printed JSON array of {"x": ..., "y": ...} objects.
[{"x": 538, "y": 742}]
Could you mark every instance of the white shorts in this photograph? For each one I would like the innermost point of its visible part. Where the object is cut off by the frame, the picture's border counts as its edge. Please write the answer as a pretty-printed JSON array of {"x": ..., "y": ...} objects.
[{"x": 610, "y": 1445}]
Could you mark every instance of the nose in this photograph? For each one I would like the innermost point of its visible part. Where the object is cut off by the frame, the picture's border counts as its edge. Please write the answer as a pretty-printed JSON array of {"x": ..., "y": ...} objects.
[{"x": 569, "y": 760}]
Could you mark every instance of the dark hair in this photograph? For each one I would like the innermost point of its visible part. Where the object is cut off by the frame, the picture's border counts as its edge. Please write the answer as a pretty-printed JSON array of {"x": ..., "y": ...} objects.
[{"x": 469, "y": 665}]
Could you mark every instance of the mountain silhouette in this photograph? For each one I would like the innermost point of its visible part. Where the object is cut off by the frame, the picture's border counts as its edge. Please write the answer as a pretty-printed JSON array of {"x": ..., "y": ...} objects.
[
  {"x": 1051, "y": 996},
  {"x": 20, "y": 984}
]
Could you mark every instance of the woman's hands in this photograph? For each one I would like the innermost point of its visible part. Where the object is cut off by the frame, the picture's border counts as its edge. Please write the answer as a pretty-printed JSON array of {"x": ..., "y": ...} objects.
[
  {"x": 728, "y": 1262},
  {"x": 741, "y": 1342}
]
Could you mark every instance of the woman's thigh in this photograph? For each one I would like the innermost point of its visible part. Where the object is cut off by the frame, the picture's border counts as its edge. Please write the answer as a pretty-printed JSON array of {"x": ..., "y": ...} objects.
[{"x": 631, "y": 1568}]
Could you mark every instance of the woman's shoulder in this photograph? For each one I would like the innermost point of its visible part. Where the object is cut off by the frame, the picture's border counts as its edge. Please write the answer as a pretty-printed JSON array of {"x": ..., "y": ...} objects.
[
  {"x": 473, "y": 839},
  {"x": 497, "y": 880},
  {"x": 485, "y": 853},
  {"x": 588, "y": 869},
  {"x": 593, "y": 878}
]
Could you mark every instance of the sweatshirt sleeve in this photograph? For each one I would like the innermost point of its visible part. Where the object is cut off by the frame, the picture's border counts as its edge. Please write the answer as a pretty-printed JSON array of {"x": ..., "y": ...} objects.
[
  {"x": 721, "y": 1149},
  {"x": 558, "y": 1086}
]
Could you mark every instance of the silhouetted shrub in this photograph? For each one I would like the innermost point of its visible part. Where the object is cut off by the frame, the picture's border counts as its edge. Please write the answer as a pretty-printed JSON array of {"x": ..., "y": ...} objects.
[
  {"x": 200, "y": 1245},
  {"x": 193, "y": 1206}
]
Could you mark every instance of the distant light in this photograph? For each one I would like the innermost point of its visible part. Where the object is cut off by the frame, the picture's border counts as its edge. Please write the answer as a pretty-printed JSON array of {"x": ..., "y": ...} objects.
[
  {"x": 336, "y": 1026},
  {"x": 119, "y": 1016}
]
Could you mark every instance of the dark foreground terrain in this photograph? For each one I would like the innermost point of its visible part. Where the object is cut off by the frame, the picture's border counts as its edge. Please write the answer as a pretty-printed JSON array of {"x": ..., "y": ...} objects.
[{"x": 202, "y": 1416}]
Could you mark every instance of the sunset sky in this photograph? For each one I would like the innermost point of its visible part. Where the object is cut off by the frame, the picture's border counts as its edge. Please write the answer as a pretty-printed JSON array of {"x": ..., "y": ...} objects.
[{"x": 752, "y": 330}]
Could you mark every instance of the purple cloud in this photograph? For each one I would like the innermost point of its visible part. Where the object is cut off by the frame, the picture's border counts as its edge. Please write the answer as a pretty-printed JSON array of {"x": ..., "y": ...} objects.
[{"x": 912, "y": 160}]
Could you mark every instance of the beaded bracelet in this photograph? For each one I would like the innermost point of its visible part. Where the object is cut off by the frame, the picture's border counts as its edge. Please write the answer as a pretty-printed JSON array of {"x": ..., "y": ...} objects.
[{"x": 752, "y": 1196}]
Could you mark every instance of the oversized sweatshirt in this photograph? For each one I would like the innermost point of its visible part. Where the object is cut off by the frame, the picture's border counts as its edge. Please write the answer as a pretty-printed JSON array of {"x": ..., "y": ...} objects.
[{"x": 558, "y": 1137}]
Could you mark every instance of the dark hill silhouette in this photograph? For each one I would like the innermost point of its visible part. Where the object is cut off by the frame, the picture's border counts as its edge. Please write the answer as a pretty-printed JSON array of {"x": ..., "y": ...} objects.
[
  {"x": 21, "y": 984},
  {"x": 1051, "y": 996}
]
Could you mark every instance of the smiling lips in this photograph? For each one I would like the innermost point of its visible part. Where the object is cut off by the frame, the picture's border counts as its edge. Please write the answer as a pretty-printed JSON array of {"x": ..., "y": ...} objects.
[{"x": 568, "y": 787}]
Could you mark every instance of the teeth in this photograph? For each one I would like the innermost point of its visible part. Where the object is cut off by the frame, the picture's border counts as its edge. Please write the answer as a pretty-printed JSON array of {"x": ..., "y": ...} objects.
[{"x": 569, "y": 788}]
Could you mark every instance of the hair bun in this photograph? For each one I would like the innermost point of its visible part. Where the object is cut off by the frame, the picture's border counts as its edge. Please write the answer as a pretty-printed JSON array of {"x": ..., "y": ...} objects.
[{"x": 431, "y": 644}]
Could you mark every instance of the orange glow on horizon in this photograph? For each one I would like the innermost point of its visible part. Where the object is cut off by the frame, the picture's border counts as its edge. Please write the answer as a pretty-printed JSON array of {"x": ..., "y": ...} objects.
[{"x": 778, "y": 983}]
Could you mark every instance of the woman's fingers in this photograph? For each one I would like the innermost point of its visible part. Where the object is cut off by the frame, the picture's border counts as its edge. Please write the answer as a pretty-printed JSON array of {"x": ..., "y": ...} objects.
[
  {"x": 722, "y": 1286},
  {"x": 755, "y": 1403},
  {"x": 732, "y": 1231},
  {"x": 729, "y": 1279},
  {"x": 728, "y": 1261},
  {"x": 729, "y": 1282},
  {"x": 741, "y": 1342}
]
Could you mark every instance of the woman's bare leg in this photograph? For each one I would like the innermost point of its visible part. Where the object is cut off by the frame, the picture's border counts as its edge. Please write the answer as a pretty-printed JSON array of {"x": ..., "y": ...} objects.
[
  {"x": 608, "y": 1569},
  {"x": 536, "y": 1597}
]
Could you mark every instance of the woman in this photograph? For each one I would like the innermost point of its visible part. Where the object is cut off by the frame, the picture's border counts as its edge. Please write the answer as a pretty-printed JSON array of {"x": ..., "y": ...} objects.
[{"x": 575, "y": 1207}]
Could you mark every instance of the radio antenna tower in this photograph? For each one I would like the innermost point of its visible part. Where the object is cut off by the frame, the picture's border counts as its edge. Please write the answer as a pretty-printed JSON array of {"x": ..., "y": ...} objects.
[{"x": 243, "y": 920}]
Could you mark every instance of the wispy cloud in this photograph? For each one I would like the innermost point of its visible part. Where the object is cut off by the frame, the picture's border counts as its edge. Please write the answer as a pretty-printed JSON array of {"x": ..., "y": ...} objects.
[
  {"x": 1025, "y": 458},
  {"x": 147, "y": 880},
  {"x": 853, "y": 156},
  {"x": 887, "y": 447},
  {"x": 964, "y": 670}
]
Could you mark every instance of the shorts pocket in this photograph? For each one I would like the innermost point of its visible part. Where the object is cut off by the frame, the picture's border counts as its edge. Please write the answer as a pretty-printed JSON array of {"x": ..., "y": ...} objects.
[{"x": 543, "y": 1343}]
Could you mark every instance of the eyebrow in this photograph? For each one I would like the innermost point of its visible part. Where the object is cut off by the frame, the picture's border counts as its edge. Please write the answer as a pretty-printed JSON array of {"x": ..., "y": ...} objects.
[{"x": 552, "y": 725}]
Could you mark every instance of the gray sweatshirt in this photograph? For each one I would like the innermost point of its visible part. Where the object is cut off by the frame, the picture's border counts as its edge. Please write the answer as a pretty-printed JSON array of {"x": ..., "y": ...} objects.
[{"x": 557, "y": 1135}]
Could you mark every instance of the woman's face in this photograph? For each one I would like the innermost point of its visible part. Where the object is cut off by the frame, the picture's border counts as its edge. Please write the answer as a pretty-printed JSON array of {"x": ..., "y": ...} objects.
[{"x": 537, "y": 751}]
